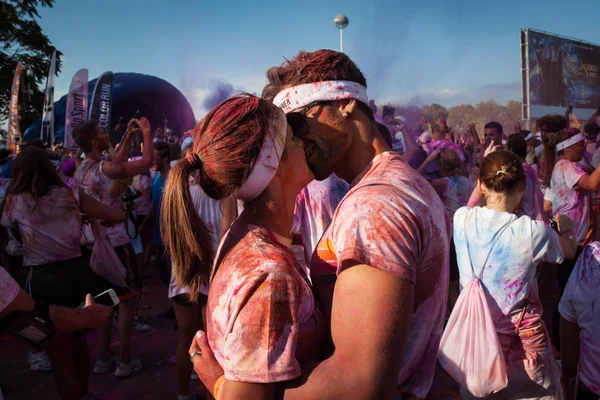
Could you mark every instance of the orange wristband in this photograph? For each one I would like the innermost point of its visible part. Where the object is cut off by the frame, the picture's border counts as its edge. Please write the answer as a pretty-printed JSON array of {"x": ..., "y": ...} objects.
[{"x": 218, "y": 388}]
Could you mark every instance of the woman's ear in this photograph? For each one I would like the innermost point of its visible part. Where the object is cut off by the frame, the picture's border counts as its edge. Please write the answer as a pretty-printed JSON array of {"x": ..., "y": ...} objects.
[{"x": 481, "y": 187}]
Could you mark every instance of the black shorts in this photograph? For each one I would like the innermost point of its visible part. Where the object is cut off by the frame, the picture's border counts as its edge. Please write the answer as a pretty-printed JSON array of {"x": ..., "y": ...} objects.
[
  {"x": 454, "y": 274},
  {"x": 133, "y": 279},
  {"x": 63, "y": 283},
  {"x": 184, "y": 300}
]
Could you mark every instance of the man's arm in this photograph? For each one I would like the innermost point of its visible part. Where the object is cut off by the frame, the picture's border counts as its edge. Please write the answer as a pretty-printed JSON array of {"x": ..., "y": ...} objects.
[
  {"x": 430, "y": 158},
  {"x": 92, "y": 316},
  {"x": 245, "y": 390},
  {"x": 95, "y": 209},
  {"x": 409, "y": 142},
  {"x": 125, "y": 146},
  {"x": 370, "y": 322},
  {"x": 65, "y": 319},
  {"x": 590, "y": 182},
  {"x": 117, "y": 170},
  {"x": 474, "y": 135}
]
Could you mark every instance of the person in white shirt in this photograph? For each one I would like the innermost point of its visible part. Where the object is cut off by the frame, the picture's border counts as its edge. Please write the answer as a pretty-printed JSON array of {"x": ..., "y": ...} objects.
[
  {"x": 510, "y": 248},
  {"x": 580, "y": 325}
]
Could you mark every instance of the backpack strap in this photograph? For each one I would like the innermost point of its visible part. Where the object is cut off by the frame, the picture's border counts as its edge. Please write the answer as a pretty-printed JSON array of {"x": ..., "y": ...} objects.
[
  {"x": 480, "y": 275},
  {"x": 522, "y": 313}
]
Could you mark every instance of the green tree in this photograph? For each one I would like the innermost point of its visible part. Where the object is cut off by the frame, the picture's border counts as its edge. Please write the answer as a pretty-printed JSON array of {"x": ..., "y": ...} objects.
[
  {"x": 22, "y": 40},
  {"x": 461, "y": 116},
  {"x": 514, "y": 109},
  {"x": 433, "y": 111}
]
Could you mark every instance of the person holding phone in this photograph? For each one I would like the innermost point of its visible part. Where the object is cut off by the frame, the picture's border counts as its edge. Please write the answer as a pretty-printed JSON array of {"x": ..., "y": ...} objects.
[
  {"x": 97, "y": 178},
  {"x": 44, "y": 215},
  {"x": 18, "y": 308},
  {"x": 61, "y": 320}
]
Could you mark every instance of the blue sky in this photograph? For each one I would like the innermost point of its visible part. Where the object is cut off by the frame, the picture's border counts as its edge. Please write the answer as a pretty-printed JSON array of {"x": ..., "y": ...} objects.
[{"x": 417, "y": 51}]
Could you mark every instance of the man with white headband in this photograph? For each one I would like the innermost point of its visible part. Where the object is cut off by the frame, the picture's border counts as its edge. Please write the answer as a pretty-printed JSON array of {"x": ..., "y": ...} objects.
[
  {"x": 572, "y": 187},
  {"x": 386, "y": 250}
]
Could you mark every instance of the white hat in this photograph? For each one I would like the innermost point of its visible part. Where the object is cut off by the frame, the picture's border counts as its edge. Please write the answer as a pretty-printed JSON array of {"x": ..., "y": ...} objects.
[{"x": 187, "y": 141}]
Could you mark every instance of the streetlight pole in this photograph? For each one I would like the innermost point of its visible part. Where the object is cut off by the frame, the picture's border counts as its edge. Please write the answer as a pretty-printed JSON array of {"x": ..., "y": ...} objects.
[{"x": 340, "y": 22}]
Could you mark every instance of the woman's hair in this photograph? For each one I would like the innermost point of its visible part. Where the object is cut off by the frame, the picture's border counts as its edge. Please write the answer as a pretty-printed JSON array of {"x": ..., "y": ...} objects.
[
  {"x": 174, "y": 152},
  {"x": 502, "y": 172},
  {"x": 550, "y": 154},
  {"x": 385, "y": 132},
  {"x": 226, "y": 144},
  {"x": 552, "y": 123},
  {"x": 449, "y": 163},
  {"x": 33, "y": 173},
  {"x": 163, "y": 150}
]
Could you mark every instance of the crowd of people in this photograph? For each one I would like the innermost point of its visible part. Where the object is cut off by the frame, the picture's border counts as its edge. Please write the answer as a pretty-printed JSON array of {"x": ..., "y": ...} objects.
[{"x": 312, "y": 248}]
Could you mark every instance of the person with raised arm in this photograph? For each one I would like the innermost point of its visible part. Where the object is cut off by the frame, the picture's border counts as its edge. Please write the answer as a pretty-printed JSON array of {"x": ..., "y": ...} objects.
[{"x": 97, "y": 178}]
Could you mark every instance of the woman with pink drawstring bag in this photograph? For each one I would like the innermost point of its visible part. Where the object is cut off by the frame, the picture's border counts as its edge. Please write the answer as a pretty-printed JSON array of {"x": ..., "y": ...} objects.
[{"x": 495, "y": 344}]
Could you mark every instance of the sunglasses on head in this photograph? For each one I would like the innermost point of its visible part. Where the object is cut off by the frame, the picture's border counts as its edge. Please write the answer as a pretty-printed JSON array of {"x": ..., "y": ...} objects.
[{"x": 298, "y": 123}]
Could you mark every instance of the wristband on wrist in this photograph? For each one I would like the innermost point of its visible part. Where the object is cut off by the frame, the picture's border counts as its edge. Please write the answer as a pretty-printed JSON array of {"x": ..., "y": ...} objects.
[
  {"x": 218, "y": 388},
  {"x": 566, "y": 231}
]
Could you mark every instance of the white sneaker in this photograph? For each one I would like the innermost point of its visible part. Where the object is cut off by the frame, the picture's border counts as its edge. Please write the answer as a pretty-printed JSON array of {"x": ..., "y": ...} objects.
[
  {"x": 141, "y": 327},
  {"x": 102, "y": 367},
  {"x": 189, "y": 396},
  {"x": 125, "y": 369},
  {"x": 39, "y": 362}
]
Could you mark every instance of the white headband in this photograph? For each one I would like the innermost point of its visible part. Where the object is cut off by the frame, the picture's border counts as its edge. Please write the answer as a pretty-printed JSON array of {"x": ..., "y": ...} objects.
[
  {"x": 266, "y": 163},
  {"x": 570, "y": 142},
  {"x": 529, "y": 137},
  {"x": 296, "y": 97}
]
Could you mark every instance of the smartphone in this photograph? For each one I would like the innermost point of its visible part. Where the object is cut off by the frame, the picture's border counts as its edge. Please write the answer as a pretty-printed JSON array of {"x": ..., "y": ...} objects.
[{"x": 108, "y": 298}]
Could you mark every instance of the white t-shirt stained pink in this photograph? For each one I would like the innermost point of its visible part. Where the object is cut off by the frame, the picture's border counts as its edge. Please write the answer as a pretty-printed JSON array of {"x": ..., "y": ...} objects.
[
  {"x": 94, "y": 183},
  {"x": 568, "y": 198},
  {"x": 315, "y": 206},
  {"x": 393, "y": 220},
  {"x": 263, "y": 323},
  {"x": 509, "y": 275},
  {"x": 9, "y": 289},
  {"x": 580, "y": 305},
  {"x": 50, "y": 228},
  {"x": 143, "y": 184}
]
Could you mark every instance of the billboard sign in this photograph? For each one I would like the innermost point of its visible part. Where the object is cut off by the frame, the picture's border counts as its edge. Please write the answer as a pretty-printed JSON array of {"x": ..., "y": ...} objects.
[{"x": 558, "y": 72}]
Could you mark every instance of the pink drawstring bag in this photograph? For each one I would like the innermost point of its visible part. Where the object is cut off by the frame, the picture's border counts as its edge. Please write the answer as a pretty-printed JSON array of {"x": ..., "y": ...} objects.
[
  {"x": 104, "y": 261},
  {"x": 470, "y": 351}
]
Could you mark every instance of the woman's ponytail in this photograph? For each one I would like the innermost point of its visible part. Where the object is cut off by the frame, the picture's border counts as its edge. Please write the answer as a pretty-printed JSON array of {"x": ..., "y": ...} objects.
[{"x": 185, "y": 235}]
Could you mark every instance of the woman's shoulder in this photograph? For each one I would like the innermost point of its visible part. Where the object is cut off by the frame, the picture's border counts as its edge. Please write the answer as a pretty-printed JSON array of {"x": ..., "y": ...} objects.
[
  {"x": 465, "y": 211},
  {"x": 257, "y": 259},
  {"x": 258, "y": 250}
]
